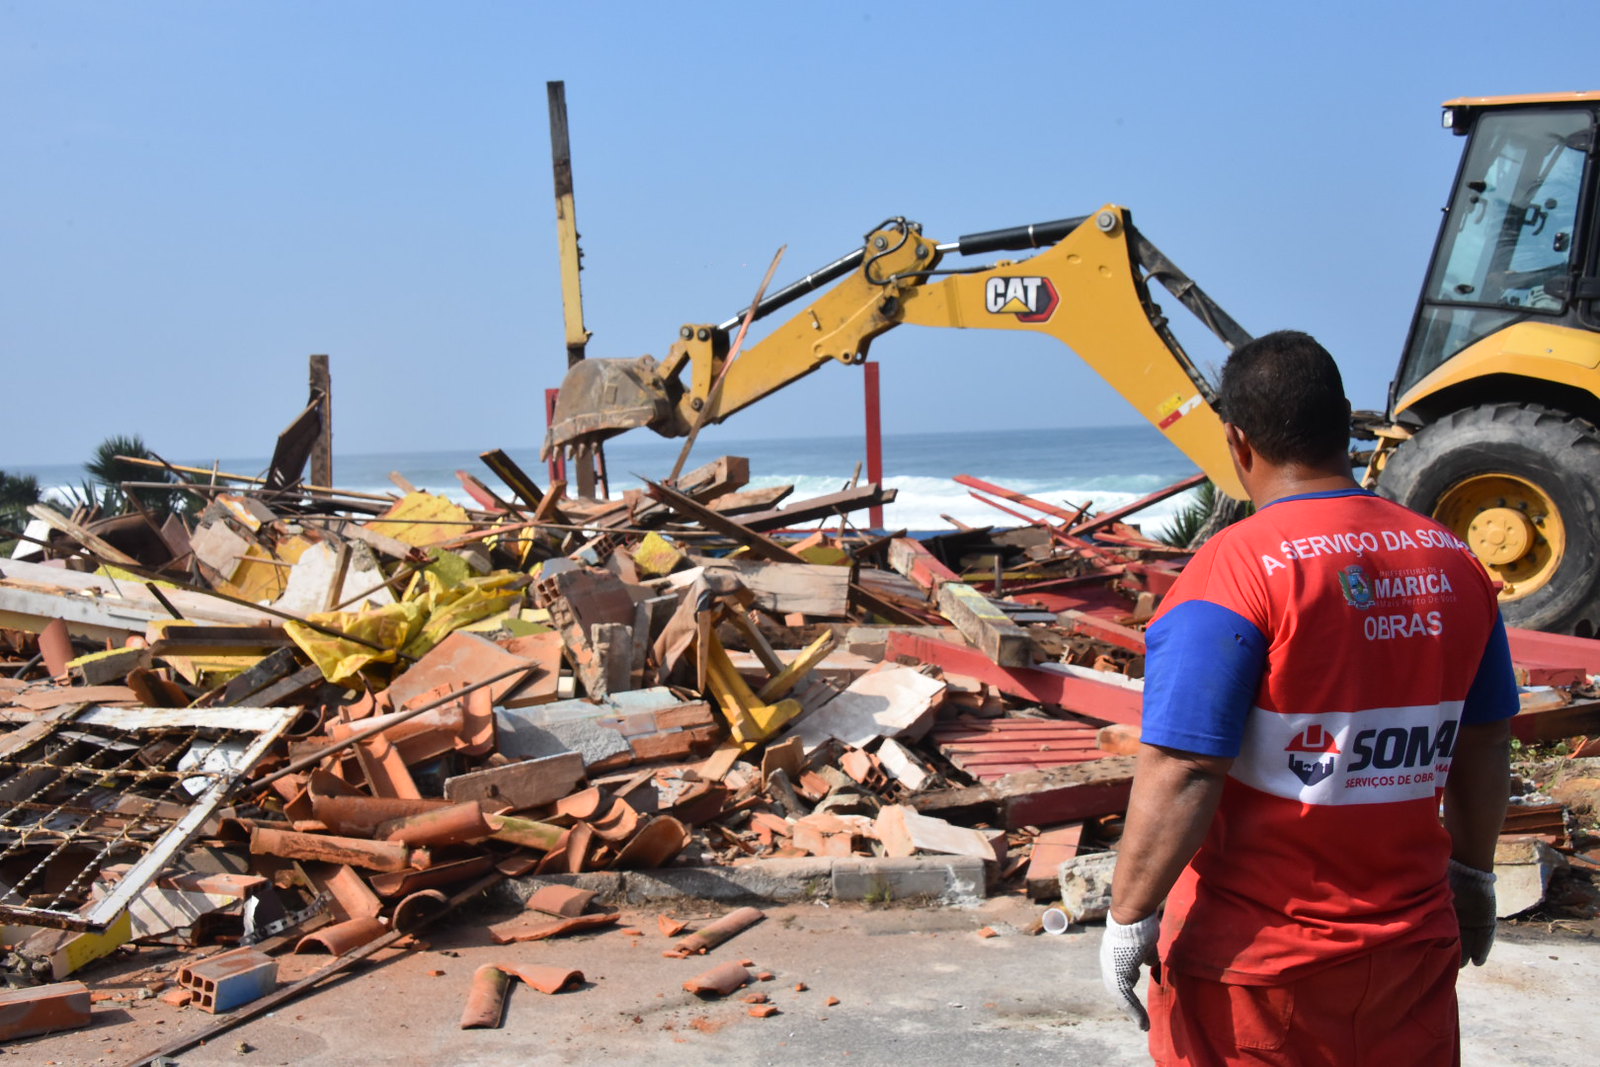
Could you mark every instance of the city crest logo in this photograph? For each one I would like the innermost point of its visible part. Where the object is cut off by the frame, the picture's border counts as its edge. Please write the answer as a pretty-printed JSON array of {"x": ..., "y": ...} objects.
[{"x": 1357, "y": 590}]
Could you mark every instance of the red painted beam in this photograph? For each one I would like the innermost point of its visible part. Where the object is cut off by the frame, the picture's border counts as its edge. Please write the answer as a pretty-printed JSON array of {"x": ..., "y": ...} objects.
[
  {"x": 1017, "y": 498},
  {"x": 874, "y": 441},
  {"x": 1143, "y": 502},
  {"x": 1110, "y": 632},
  {"x": 911, "y": 558},
  {"x": 1550, "y": 650},
  {"x": 1105, "y": 701}
]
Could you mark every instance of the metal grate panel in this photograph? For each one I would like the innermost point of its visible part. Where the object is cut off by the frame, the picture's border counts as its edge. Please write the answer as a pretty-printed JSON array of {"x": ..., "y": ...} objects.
[{"x": 89, "y": 786}]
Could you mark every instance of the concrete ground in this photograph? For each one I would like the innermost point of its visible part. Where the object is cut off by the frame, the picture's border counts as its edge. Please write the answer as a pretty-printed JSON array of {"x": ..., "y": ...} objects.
[{"x": 913, "y": 985}]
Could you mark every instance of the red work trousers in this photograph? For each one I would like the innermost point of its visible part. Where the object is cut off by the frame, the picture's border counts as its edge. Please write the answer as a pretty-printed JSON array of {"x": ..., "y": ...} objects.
[{"x": 1393, "y": 1006}]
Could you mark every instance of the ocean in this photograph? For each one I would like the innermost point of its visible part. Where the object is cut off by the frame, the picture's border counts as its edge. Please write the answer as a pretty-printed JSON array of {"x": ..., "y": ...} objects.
[{"x": 1105, "y": 466}]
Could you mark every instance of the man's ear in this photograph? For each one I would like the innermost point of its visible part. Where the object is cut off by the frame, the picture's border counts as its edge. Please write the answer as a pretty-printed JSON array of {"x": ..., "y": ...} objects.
[{"x": 1239, "y": 446}]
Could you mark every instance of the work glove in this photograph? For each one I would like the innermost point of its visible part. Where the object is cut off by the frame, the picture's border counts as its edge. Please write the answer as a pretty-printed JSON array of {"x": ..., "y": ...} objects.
[
  {"x": 1123, "y": 950},
  {"x": 1475, "y": 908}
]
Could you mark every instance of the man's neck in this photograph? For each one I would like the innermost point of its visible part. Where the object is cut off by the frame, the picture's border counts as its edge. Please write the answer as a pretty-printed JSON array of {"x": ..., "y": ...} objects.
[{"x": 1286, "y": 481}]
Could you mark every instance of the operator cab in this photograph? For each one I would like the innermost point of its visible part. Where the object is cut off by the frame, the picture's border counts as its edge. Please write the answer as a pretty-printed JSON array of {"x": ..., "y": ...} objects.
[{"x": 1519, "y": 239}]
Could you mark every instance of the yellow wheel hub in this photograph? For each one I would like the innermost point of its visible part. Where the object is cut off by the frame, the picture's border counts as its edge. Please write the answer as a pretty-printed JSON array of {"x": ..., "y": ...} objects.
[
  {"x": 1511, "y": 524},
  {"x": 1500, "y": 535}
]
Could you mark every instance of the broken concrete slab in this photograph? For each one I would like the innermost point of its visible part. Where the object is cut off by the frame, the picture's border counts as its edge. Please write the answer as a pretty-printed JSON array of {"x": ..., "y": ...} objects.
[
  {"x": 887, "y": 701},
  {"x": 904, "y": 831},
  {"x": 902, "y": 765},
  {"x": 310, "y": 586},
  {"x": 1086, "y": 886},
  {"x": 944, "y": 878},
  {"x": 1523, "y": 867}
]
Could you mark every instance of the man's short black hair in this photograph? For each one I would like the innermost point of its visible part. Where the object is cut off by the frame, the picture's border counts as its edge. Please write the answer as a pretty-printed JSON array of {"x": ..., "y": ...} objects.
[{"x": 1284, "y": 391}]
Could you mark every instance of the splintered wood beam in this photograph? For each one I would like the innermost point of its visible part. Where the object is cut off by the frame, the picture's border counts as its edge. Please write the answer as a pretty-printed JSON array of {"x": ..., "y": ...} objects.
[
  {"x": 516, "y": 479},
  {"x": 765, "y": 547},
  {"x": 821, "y": 507},
  {"x": 98, "y": 546},
  {"x": 322, "y": 448},
  {"x": 989, "y": 629}
]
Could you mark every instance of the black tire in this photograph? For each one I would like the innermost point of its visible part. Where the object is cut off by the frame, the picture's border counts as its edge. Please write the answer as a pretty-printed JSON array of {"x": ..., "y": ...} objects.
[{"x": 1558, "y": 453}]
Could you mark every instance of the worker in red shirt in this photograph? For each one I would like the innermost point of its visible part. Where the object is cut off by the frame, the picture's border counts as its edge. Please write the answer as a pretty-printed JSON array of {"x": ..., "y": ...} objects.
[{"x": 1320, "y": 678}]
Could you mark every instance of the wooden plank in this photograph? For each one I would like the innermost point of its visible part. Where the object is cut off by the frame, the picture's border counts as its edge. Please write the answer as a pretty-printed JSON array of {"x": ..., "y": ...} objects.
[
  {"x": 746, "y": 501},
  {"x": 1556, "y": 723},
  {"x": 527, "y": 784},
  {"x": 1550, "y": 649},
  {"x": 57, "y": 521},
  {"x": 764, "y": 547},
  {"x": 1017, "y": 498},
  {"x": 784, "y": 588},
  {"x": 725, "y": 474},
  {"x": 821, "y": 507},
  {"x": 322, "y": 447},
  {"x": 219, "y": 640},
  {"x": 1041, "y": 797},
  {"x": 1011, "y": 748},
  {"x": 516, "y": 479},
  {"x": 986, "y": 626}
]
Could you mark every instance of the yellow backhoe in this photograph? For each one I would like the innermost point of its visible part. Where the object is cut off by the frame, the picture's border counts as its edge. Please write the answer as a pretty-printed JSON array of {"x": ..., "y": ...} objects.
[{"x": 1492, "y": 415}]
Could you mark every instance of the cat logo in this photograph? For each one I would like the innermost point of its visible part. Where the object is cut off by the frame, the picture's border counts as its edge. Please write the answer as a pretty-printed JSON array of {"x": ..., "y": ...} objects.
[{"x": 1030, "y": 299}]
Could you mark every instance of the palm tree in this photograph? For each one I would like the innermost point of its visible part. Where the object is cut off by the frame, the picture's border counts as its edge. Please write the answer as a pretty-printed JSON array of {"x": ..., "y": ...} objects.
[
  {"x": 17, "y": 491},
  {"x": 109, "y": 472},
  {"x": 1205, "y": 514}
]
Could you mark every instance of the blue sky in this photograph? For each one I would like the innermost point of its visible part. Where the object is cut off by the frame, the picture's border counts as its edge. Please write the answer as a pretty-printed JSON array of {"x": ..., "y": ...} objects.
[{"x": 196, "y": 196}]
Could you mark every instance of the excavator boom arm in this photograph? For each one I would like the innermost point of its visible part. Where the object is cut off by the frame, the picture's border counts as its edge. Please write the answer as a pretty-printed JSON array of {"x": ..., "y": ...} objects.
[{"x": 1087, "y": 289}]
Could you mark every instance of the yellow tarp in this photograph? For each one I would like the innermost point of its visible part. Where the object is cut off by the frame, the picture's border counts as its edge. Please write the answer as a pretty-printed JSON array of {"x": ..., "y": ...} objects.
[
  {"x": 423, "y": 519},
  {"x": 431, "y": 612},
  {"x": 262, "y": 575}
]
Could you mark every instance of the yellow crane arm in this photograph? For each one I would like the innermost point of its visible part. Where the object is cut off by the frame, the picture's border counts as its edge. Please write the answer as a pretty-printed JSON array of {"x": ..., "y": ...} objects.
[{"x": 1088, "y": 289}]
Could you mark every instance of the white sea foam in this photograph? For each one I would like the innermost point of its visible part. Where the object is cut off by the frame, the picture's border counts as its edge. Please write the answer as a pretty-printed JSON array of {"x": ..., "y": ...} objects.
[{"x": 1105, "y": 468}]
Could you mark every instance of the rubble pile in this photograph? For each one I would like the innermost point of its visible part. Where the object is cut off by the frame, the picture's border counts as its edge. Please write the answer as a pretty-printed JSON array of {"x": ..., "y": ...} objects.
[{"x": 315, "y": 718}]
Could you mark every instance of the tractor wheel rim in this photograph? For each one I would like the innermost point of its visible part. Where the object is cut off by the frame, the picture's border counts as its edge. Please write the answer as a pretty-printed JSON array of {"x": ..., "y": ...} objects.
[{"x": 1512, "y": 525}]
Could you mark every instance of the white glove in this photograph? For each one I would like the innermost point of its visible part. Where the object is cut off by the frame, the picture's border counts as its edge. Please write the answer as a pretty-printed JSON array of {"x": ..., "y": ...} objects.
[
  {"x": 1475, "y": 908},
  {"x": 1123, "y": 950}
]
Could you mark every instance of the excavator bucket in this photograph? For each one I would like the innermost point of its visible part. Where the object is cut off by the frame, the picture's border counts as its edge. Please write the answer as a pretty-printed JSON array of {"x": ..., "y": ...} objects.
[{"x": 601, "y": 398}]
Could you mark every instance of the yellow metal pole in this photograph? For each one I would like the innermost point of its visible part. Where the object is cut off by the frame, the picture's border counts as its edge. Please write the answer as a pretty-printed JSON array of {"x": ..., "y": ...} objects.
[{"x": 586, "y": 462}]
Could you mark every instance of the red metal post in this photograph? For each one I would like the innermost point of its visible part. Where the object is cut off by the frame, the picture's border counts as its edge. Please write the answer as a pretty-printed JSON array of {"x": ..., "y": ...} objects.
[
  {"x": 558, "y": 461},
  {"x": 874, "y": 441}
]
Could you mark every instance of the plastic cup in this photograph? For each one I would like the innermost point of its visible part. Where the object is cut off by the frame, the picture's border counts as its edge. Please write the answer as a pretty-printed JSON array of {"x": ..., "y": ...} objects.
[{"x": 1055, "y": 921}]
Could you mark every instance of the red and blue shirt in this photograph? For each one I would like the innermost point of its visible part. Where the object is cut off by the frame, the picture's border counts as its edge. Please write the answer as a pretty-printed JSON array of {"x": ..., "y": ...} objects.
[{"x": 1331, "y": 645}]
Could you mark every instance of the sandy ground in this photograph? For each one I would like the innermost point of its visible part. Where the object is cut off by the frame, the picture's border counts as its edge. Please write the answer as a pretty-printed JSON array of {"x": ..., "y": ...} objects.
[{"x": 912, "y": 984}]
